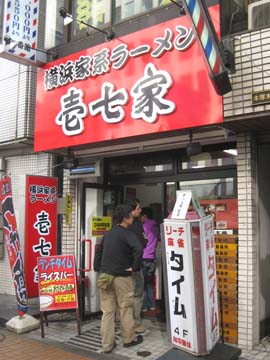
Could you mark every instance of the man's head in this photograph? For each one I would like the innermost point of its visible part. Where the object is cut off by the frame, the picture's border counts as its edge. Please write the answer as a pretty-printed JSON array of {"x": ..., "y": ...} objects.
[
  {"x": 146, "y": 213},
  {"x": 123, "y": 215},
  {"x": 136, "y": 208}
]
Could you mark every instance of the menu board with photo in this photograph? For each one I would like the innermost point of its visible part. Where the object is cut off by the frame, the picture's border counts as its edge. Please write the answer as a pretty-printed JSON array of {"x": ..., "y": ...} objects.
[{"x": 224, "y": 212}]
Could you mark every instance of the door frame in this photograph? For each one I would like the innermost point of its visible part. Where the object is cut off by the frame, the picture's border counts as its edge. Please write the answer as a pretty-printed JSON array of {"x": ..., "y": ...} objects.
[{"x": 82, "y": 251}]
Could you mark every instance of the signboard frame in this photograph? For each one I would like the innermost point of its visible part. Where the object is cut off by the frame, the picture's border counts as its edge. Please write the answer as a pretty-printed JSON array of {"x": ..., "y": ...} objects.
[
  {"x": 41, "y": 193},
  {"x": 58, "y": 290},
  {"x": 191, "y": 234}
]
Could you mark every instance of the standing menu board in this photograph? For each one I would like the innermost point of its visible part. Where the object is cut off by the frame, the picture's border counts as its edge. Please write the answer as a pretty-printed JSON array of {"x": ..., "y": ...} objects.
[{"x": 57, "y": 283}]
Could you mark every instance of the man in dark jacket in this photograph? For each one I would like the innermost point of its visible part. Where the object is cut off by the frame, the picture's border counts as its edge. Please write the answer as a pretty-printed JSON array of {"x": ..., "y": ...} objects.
[{"x": 118, "y": 255}]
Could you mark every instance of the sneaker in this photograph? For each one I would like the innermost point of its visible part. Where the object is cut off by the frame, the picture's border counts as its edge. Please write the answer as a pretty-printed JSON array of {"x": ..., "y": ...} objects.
[
  {"x": 144, "y": 310},
  {"x": 109, "y": 351},
  {"x": 140, "y": 329},
  {"x": 138, "y": 340},
  {"x": 152, "y": 308}
]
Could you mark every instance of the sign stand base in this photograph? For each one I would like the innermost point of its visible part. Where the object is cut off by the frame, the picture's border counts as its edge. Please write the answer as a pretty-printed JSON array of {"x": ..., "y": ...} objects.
[
  {"x": 22, "y": 324},
  {"x": 44, "y": 319},
  {"x": 220, "y": 352}
]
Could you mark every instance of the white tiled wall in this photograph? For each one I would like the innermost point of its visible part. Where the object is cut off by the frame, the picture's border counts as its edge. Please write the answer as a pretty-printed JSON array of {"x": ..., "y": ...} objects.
[
  {"x": 252, "y": 73},
  {"x": 69, "y": 232},
  {"x": 17, "y": 105},
  {"x": 248, "y": 317}
]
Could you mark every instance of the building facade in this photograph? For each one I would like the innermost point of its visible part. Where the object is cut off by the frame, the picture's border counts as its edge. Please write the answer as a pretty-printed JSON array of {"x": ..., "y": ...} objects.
[{"x": 126, "y": 155}]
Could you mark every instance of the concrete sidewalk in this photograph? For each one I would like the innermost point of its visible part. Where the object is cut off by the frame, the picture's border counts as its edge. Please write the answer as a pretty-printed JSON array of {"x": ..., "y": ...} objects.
[
  {"x": 62, "y": 341},
  {"x": 14, "y": 346}
]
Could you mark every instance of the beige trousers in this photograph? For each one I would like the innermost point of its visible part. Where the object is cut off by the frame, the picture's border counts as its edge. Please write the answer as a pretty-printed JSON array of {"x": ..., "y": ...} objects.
[{"x": 119, "y": 295}]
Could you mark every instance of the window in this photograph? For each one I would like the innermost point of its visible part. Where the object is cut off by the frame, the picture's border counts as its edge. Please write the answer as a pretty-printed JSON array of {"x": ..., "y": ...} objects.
[
  {"x": 98, "y": 13},
  {"x": 234, "y": 16},
  {"x": 210, "y": 159},
  {"x": 140, "y": 165},
  {"x": 54, "y": 26},
  {"x": 128, "y": 8},
  {"x": 212, "y": 188},
  {"x": 94, "y": 12}
]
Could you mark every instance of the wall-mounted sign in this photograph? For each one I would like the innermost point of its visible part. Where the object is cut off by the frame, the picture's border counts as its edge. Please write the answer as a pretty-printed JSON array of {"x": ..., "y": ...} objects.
[
  {"x": 68, "y": 208},
  {"x": 57, "y": 282},
  {"x": 261, "y": 97},
  {"x": 101, "y": 224},
  {"x": 40, "y": 225},
  {"x": 142, "y": 83},
  {"x": 20, "y": 27}
]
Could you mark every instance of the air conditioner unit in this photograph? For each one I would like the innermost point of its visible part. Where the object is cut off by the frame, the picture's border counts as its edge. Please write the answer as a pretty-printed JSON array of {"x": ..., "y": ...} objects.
[
  {"x": 259, "y": 14},
  {"x": 81, "y": 171}
]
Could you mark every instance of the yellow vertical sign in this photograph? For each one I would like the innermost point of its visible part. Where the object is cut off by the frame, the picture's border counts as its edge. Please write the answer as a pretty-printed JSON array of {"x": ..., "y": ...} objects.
[{"x": 68, "y": 205}]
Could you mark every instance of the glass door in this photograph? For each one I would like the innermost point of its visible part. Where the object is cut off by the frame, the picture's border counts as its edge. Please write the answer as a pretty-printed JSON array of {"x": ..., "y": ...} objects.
[
  {"x": 217, "y": 197},
  {"x": 98, "y": 203}
]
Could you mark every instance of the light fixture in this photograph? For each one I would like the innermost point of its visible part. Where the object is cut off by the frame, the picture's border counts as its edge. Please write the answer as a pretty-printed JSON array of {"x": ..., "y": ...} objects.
[
  {"x": 68, "y": 18},
  {"x": 70, "y": 162},
  {"x": 9, "y": 41},
  {"x": 20, "y": 44},
  {"x": 180, "y": 5},
  {"x": 232, "y": 152},
  {"x": 193, "y": 148}
]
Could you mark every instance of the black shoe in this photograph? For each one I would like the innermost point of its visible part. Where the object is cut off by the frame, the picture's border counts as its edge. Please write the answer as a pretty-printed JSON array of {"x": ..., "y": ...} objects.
[
  {"x": 108, "y": 352},
  {"x": 138, "y": 340}
]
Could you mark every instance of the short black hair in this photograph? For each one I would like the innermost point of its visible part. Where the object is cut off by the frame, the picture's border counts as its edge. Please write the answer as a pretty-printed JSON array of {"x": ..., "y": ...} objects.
[
  {"x": 148, "y": 212},
  {"x": 122, "y": 211},
  {"x": 134, "y": 204}
]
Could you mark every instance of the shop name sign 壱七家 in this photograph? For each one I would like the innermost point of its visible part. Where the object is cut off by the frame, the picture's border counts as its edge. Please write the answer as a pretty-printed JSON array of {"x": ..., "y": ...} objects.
[
  {"x": 261, "y": 97},
  {"x": 141, "y": 83}
]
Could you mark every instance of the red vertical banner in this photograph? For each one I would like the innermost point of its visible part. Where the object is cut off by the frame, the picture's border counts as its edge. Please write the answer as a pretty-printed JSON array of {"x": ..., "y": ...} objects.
[
  {"x": 13, "y": 244},
  {"x": 40, "y": 225}
]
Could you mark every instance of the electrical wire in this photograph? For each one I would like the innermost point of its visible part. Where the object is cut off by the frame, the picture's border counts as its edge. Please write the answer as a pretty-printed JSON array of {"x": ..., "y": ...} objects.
[{"x": 233, "y": 14}]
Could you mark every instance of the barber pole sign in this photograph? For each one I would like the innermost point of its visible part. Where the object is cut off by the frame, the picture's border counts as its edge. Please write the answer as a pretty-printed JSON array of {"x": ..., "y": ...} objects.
[
  {"x": 207, "y": 37},
  {"x": 13, "y": 245}
]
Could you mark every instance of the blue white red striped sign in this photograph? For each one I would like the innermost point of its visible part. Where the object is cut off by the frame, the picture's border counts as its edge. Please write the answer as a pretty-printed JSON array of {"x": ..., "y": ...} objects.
[{"x": 204, "y": 32}]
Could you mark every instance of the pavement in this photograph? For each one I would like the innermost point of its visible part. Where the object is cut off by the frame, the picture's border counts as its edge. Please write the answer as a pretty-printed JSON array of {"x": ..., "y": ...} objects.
[{"x": 62, "y": 341}]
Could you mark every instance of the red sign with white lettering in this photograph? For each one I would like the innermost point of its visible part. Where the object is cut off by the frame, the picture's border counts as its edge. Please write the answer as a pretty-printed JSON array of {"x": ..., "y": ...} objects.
[
  {"x": 151, "y": 81},
  {"x": 40, "y": 225},
  {"x": 57, "y": 282}
]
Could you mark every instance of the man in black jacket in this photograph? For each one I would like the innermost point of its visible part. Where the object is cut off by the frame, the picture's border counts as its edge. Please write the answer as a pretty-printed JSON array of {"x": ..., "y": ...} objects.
[{"x": 118, "y": 255}]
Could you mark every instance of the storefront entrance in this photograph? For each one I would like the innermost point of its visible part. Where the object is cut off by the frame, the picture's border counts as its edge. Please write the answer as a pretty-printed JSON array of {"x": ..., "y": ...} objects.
[{"x": 154, "y": 179}]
